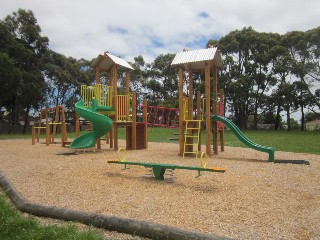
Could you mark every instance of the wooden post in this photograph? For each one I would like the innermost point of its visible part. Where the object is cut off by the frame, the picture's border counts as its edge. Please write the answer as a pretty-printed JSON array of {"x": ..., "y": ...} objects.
[
  {"x": 47, "y": 130},
  {"x": 133, "y": 139},
  {"x": 98, "y": 143},
  {"x": 110, "y": 84},
  {"x": 115, "y": 102},
  {"x": 112, "y": 136},
  {"x": 77, "y": 125},
  {"x": 215, "y": 109},
  {"x": 181, "y": 118},
  {"x": 145, "y": 120},
  {"x": 190, "y": 103},
  {"x": 134, "y": 121},
  {"x": 115, "y": 90},
  {"x": 199, "y": 116},
  {"x": 222, "y": 130},
  {"x": 33, "y": 141},
  {"x": 64, "y": 136},
  {"x": 189, "y": 148},
  {"x": 56, "y": 120},
  {"x": 115, "y": 137},
  {"x": 208, "y": 120},
  {"x": 198, "y": 105},
  {"x": 39, "y": 129}
]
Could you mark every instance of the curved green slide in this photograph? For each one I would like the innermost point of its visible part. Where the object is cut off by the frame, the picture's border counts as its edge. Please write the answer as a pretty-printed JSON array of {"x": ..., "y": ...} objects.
[
  {"x": 243, "y": 138},
  {"x": 101, "y": 124}
]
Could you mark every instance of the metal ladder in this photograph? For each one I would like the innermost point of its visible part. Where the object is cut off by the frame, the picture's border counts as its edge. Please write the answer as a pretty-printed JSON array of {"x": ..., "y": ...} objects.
[{"x": 191, "y": 127}]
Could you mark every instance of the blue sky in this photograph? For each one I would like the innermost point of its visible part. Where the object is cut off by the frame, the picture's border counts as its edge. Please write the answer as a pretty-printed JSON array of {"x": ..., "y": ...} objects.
[{"x": 84, "y": 29}]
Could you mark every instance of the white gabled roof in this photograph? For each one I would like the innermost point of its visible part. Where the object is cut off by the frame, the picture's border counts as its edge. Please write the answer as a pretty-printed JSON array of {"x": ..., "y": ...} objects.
[
  {"x": 195, "y": 59},
  {"x": 119, "y": 61},
  {"x": 105, "y": 62}
]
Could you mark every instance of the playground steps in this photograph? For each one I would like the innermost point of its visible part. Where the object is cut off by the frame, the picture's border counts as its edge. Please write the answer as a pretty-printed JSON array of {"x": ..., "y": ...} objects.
[{"x": 192, "y": 137}]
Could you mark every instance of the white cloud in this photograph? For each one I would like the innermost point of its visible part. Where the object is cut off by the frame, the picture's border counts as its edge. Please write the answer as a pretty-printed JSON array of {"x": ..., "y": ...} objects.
[{"x": 85, "y": 28}]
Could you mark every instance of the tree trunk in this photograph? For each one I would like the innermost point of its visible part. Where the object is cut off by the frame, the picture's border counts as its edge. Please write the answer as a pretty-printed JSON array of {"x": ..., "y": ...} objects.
[
  {"x": 277, "y": 123},
  {"x": 26, "y": 120},
  {"x": 302, "y": 117},
  {"x": 255, "y": 119},
  {"x": 14, "y": 118},
  {"x": 288, "y": 118}
]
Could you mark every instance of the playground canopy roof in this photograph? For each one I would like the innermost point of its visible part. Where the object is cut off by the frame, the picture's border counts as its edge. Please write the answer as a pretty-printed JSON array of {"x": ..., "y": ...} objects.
[
  {"x": 104, "y": 62},
  {"x": 195, "y": 59}
]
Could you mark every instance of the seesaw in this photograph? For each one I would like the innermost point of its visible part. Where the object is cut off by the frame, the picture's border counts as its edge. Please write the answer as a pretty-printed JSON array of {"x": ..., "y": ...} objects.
[{"x": 159, "y": 169}]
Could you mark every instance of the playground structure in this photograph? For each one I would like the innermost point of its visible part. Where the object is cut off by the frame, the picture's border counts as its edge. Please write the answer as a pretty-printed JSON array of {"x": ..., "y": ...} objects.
[
  {"x": 207, "y": 60},
  {"x": 118, "y": 110},
  {"x": 212, "y": 111},
  {"x": 46, "y": 116},
  {"x": 107, "y": 110}
]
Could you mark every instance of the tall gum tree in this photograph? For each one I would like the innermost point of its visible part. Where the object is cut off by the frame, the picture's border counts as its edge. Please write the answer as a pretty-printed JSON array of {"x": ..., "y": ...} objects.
[{"x": 26, "y": 52}]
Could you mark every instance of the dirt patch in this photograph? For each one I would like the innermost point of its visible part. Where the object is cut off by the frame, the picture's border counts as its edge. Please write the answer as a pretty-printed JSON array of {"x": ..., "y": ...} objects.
[{"x": 253, "y": 199}]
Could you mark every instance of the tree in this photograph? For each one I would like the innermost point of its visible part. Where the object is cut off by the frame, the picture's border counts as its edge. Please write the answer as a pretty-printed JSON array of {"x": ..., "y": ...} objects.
[
  {"x": 163, "y": 83},
  {"x": 257, "y": 63},
  {"x": 281, "y": 68},
  {"x": 261, "y": 71},
  {"x": 138, "y": 76},
  {"x": 26, "y": 53},
  {"x": 234, "y": 74},
  {"x": 65, "y": 76},
  {"x": 313, "y": 73},
  {"x": 9, "y": 73},
  {"x": 247, "y": 73},
  {"x": 304, "y": 50}
]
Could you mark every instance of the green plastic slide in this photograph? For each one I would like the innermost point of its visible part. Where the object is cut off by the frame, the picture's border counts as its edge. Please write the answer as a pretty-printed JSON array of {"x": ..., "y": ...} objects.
[
  {"x": 100, "y": 124},
  {"x": 243, "y": 138}
]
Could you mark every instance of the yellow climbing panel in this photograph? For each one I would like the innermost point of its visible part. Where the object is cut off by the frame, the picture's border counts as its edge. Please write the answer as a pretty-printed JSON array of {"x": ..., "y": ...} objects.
[
  {"x": 102, "y": 93},
  {"x": 192, "y": 137}
]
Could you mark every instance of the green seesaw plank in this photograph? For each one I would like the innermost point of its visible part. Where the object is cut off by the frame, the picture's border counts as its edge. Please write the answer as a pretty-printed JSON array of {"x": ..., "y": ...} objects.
[{"x": 160, "y": 168}]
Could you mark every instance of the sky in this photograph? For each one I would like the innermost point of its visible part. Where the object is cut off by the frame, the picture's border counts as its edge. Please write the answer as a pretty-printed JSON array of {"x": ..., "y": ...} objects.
[{"x": 129, "y": 28}]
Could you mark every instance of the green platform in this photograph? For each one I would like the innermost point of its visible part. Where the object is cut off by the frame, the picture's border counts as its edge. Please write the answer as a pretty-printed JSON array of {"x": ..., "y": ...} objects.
[{"x": 160, "y": 168}]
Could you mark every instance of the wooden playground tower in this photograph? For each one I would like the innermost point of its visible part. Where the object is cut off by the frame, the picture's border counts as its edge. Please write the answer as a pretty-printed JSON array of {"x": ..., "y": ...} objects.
[
  {"x": 208, "y": 60},
  {"x": 125, "y": 110},
  {"x": 46, "y": 121}
]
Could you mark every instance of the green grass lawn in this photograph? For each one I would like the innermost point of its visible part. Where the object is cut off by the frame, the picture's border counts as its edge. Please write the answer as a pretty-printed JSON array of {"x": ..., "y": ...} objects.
[
  {"x": 15, "y": 226},
  {"x": 289, "y": 141}
]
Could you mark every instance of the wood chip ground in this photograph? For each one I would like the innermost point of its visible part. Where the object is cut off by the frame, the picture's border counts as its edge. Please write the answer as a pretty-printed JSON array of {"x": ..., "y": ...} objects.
[{"x": 253, "y": 199}]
